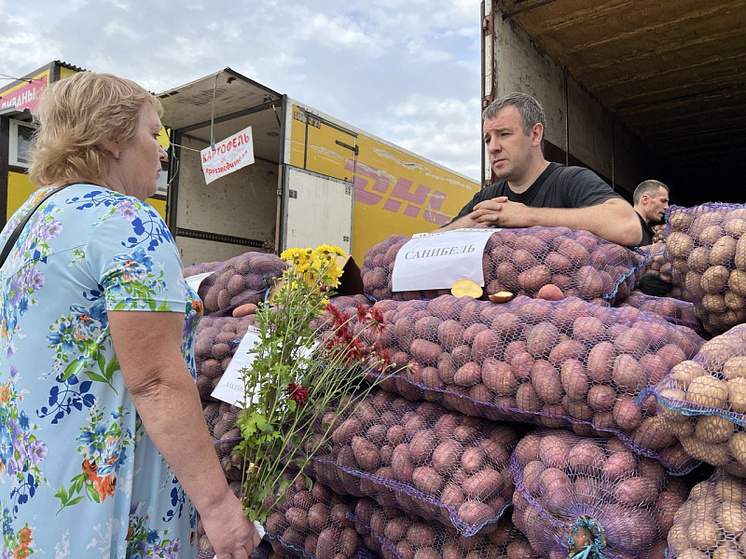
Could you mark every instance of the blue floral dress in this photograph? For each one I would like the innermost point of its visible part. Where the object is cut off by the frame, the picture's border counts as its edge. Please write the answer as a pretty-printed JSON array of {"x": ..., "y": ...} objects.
[{"x": 79, "y": 476}]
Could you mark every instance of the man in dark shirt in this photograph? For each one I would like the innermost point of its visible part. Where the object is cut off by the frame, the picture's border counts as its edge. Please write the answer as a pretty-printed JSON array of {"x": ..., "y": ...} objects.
[
  {"x": 532, "y": 191},
  {"x": 651, "y": 200}
]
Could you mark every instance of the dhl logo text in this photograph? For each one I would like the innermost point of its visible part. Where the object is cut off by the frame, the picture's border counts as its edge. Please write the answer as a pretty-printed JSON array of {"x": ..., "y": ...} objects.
[{"x": 373, "y": 187}]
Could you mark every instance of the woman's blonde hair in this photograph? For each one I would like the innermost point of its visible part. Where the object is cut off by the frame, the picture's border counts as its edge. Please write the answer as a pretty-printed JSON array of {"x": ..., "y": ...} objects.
[{"x": 76, "y": 116}]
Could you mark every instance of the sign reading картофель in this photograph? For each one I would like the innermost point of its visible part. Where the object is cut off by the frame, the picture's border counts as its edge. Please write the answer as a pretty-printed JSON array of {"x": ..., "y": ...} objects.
[{"x": 229, "y": 155}]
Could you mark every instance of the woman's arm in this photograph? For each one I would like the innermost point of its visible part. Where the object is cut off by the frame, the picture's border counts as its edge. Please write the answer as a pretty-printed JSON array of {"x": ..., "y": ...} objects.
[{"x": 148, "y": 347}]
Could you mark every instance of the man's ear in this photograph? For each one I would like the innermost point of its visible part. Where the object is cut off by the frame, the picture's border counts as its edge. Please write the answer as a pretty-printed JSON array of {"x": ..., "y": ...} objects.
[
  {"x": 644, "y": 199},
  {"x": 112, "y": 147},
  {"x": 537, "y": 133}
]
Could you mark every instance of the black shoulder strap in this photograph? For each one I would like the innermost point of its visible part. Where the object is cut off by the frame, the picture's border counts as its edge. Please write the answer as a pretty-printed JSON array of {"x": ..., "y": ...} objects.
[
  {"x": 17, "y": 231},
  {"x": 541, "y": 194}
]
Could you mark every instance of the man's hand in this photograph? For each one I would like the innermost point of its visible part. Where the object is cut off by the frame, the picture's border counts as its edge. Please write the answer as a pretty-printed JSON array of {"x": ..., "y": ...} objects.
[{"x": 501, "y": 212}]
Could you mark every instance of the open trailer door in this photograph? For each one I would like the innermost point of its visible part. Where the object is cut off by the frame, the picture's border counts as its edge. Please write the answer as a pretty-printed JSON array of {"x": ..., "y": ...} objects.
[{"x": 318, "y": 209}]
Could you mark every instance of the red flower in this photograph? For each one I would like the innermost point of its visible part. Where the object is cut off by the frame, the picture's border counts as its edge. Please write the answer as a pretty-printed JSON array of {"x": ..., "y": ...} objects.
[
  {"x": 339, "y": 318},
  {"x": 298, "y": 393}
]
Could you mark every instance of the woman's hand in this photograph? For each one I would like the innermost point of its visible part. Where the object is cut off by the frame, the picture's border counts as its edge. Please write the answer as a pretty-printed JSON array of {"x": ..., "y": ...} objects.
[{"x": 231, "y": 534}]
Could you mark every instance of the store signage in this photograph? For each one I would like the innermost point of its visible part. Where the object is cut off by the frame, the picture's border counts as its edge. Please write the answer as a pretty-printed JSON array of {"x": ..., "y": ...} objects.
[
  {"x": 24, "y": 96},
  {"x": 229, "y": 155}
]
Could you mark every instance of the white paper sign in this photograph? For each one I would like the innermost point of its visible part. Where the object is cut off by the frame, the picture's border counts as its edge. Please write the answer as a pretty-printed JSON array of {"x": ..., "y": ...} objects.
[
  {"x": 195, "y": 281},
  {"x": 436, "y": 260},
  {"x": 229, "y": 155},
  {"x": 230, "y": 388}
]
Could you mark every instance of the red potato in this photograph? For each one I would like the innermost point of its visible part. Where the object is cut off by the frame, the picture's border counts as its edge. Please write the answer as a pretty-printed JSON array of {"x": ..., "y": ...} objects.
[
  {"x": 531, "y": 368},
  {"x": 441, "y": 457},
  {"x": 601, "y": 479}
]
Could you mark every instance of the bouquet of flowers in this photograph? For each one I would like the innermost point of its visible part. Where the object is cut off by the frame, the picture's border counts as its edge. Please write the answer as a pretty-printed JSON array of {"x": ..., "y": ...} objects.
[{"x": 299, "y": 379}]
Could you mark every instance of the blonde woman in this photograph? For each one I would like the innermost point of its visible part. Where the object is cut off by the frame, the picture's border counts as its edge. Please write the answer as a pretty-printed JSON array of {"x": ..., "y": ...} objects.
[{"x": 103, "y": 446}]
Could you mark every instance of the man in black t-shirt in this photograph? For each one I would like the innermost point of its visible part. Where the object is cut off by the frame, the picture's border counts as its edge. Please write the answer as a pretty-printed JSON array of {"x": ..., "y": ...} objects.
[
  {"x": 651, "y": 200},
  {"x": 533, "y": 191}
]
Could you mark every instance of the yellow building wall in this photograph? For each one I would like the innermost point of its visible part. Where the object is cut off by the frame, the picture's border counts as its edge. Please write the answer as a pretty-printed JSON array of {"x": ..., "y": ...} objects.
[{"x": 394, "y": 191}]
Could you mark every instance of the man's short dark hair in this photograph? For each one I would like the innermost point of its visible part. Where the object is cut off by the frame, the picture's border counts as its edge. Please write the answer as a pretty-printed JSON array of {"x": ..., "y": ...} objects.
[
  {"x": 649, "y": 187},
  {"x": 529, "y": 108}
]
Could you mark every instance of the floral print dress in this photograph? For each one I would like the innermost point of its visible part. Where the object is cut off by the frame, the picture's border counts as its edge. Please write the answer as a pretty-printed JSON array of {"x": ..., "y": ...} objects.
[{"x": 79, "y": 476}]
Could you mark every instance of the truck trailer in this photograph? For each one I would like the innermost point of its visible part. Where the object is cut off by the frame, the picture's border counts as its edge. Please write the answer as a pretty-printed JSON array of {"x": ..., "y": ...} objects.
[
  {"x": 632, "y": 90},
  {"x": 314, "y": 180}
]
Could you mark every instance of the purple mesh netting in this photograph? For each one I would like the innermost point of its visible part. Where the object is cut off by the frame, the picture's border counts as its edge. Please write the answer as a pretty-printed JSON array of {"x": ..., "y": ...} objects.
[
  {"x": 523, "y": 260},
  {"x": 567, "y": 364},
  {"x": 563, "y": 480},
  {"x": 707, "y": 249},
  {"x": 703, "y": 402}
]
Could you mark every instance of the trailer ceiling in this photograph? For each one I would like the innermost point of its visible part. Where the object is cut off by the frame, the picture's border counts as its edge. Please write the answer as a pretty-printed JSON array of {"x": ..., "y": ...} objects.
[
  {"x": 673, "y": 71},
  {"x": 221, "y": 104}
]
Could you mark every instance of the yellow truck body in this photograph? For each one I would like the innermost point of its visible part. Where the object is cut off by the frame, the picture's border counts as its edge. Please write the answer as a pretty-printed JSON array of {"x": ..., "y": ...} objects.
[{"x": 18, "y": 102}]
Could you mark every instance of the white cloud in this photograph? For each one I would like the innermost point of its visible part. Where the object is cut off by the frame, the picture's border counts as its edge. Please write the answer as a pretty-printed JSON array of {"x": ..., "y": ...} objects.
[{"x": 407, "y": 72}]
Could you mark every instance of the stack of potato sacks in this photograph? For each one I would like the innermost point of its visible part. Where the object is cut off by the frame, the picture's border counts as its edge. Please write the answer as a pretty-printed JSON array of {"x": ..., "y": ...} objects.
[
  {"x": 232, "y": 284},
  {"x": 702, "y": 400},
  {"x": 530, "y": 428}
]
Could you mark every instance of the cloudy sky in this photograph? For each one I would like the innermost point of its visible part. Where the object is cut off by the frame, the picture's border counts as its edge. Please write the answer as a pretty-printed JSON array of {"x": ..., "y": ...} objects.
[{"x": 408, "y": 72}]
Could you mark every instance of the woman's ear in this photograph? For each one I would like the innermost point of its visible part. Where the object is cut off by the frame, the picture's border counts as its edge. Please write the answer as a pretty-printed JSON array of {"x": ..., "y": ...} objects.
[{"x": 112, "y": 147}]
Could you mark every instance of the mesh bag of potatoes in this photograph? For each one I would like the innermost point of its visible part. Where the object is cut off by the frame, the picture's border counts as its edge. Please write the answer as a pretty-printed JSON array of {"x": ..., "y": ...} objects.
[
  {"x": 591, "y": 497},
  {"x": 245, "y": 278},
  {"x": 399, "y": 535},
  {"x": 312, "y": 523},
  {"x": 422, "y": 459},
  {"x": 201, "y": 268},
  {"x": 707, "y": 249},
  {"x": 674, "y": 310},
  {"x": 566, "y": 363},
  {"x": 703, "y": 402},
  {"x": 659, "y": 235},
  {"x": 221, "y": 424},
  {"x": 711, "y": 523},
  {"x": 215, "y": 342},
  {"x": 657, "y": 265},
  {"x": 522, "y": 261}
]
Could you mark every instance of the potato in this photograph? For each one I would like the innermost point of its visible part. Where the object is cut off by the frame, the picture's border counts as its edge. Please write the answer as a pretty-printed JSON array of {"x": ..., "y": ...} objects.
[
  {"x": 427, "y": 480},
  {"x": 635, "y": 491},
  {"x": 475, "y": 513},
  {"x": 446, "y": 456},
  {"x": 546, "y": 382},
  {"x": 422, "y": 445},
  {"x": 707, "y": 390},
  {"x": 600, "y": 362},
  {"x": 619, "y": 465},
  {"x": 533, "y": 279},
  {"x": 498, "y": 377},
  {"x": 426, "y": 352},
  {"x": 556, "y": 489},
  {"x": 601, "y": 397},
  {"x": 483, "y": 485},
  {"x": 468, "y": 374}
]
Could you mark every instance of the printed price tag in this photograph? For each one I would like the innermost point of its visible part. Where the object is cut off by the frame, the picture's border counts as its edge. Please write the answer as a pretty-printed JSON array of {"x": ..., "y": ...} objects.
[{"x": 230, "y": 388}]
